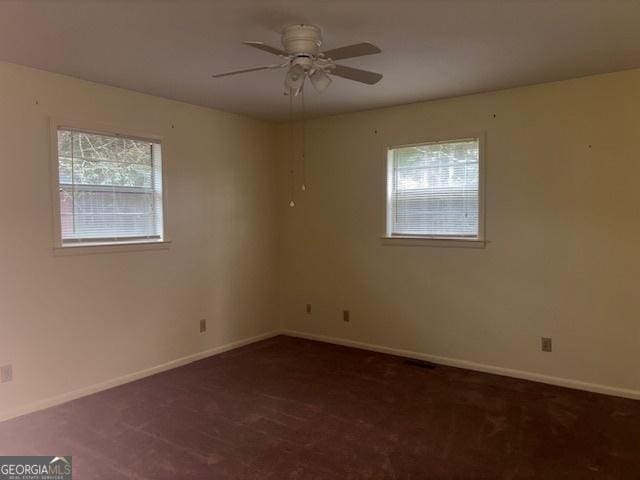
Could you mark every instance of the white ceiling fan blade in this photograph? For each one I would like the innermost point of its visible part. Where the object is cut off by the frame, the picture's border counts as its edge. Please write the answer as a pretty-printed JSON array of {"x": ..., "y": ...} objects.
[
  {"x": 245, "y": 70},
  {"x": 362, "y": 76},
  {"x": 266, "y": 48},
  {"x": 350, "y": 51}
]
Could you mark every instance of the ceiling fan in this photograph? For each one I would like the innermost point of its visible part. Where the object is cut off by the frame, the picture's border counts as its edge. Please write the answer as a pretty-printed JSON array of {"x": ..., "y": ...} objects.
[{"x": 303, "y": 59}]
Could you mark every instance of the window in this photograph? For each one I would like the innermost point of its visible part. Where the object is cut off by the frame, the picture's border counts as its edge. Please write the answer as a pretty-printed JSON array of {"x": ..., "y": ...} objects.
[
  {"x": 110, "y": 188},
  {"x": 434, "y": 190}
]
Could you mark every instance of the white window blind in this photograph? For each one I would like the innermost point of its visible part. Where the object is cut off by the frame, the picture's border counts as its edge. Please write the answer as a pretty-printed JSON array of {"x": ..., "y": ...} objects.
[
  {"x": 433, "y": 189},
  {"x": 110, "y": 188}
]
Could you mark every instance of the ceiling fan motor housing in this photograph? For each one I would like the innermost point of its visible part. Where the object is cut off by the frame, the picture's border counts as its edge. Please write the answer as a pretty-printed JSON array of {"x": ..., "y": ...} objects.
[{"x": 304, "y": 40}]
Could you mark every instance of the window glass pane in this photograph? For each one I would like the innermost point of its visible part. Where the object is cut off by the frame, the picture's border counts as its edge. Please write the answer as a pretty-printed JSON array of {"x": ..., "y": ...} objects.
[
  {"x": 110, "y": 187},
  {"x": 434, "y": 189},
  {"x": 111, "y": 174},
  {"x": 89, "y": 146}
]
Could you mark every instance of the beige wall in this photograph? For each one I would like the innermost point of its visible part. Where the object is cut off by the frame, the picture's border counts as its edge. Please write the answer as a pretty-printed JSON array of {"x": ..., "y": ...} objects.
[
  {"x": 561, "y": 202},
  {"x": 70, "y": 322},
  {"x": 562, "y": 220}
]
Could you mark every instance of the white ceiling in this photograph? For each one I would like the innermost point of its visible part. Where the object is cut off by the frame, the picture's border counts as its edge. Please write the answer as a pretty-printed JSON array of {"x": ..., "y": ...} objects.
[{"x": 431, "y": 48}]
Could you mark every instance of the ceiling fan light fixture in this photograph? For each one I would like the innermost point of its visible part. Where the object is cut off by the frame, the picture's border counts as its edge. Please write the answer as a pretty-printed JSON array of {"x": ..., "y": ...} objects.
[
  {"x": 294, "y": 78},
  {"x": 320, "y": 80}
]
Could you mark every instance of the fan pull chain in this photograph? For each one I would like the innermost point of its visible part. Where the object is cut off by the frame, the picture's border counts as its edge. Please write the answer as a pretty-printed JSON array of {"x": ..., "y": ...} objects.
[
  {"x": 304, "y": 145},
  {"x": 292, "y": 203}
]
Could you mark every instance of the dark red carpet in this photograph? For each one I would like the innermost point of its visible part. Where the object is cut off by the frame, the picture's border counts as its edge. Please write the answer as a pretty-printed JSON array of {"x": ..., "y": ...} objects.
[{"x": 287, "y": 408}]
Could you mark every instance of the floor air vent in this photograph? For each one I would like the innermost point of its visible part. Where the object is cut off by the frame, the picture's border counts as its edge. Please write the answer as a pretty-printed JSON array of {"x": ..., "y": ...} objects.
[{"x": 412, "y": 362}]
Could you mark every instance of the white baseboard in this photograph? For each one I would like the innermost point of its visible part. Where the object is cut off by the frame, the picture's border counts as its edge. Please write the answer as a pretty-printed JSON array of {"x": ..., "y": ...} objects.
[
  {"x": 454, "y": 362},
  {"x": 82, "y": 392}
]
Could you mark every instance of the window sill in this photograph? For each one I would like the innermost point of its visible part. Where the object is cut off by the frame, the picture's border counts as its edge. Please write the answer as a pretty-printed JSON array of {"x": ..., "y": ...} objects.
[
  {"x": 409, "y": 241},
  {"x": 91, "y": 248}
]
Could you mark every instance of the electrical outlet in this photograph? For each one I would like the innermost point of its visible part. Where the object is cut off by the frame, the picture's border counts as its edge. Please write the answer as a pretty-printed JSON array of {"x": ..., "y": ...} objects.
[
  {"x": 546, "y": 344},
  {"x": 6, "y": 373},
  {"x": 203, "y": 325},
  {"x": 345, "y": 315},
  {"x": 308, "y": 308}
]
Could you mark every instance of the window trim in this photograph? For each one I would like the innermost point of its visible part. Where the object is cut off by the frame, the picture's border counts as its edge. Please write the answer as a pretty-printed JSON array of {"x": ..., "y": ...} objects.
[
  {"x": 478, "y": 241},
  {"x": 59, "y": 248}
]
